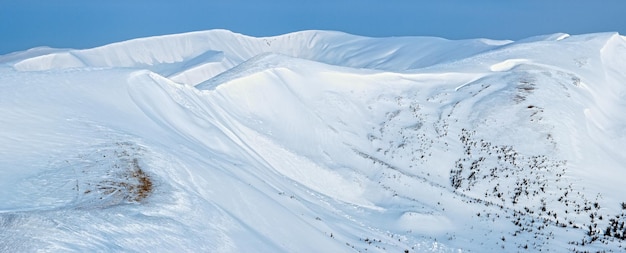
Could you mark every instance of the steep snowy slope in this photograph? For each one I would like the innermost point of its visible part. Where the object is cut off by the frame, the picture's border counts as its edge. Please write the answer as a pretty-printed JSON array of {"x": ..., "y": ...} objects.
[{"x": 315, "y": 141}]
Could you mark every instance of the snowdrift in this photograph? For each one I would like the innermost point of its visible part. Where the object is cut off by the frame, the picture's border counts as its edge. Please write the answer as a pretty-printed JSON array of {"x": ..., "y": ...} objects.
[{"x": 315, "y": 141}]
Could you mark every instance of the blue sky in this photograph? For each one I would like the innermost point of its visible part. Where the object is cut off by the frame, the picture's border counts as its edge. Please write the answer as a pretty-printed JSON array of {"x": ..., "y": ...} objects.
[{"x": 88, "y": 23}]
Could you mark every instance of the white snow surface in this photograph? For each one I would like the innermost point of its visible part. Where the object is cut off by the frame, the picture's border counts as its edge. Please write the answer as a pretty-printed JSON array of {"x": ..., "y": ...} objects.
[{"x": 315, "y": 141}]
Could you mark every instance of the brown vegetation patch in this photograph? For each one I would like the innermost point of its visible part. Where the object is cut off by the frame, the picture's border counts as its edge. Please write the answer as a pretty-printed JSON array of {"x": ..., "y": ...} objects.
[{"x": 132, "y": 185}]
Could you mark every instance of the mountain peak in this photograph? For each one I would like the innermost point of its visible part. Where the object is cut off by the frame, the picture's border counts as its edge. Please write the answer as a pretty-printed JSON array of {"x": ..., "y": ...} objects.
[{"x": 315, "y": 141}]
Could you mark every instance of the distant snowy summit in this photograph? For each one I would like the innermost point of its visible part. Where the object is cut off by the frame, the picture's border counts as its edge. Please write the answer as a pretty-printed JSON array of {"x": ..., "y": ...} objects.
[
  {"x": 197, "y": 56},
  {"x": 315, "y": 141}
]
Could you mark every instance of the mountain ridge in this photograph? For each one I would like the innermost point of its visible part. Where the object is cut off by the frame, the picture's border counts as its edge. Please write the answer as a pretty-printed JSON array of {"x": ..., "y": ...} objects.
[
  {"x": 331, "y": 142},
  {"x": 320, "y": 46}
]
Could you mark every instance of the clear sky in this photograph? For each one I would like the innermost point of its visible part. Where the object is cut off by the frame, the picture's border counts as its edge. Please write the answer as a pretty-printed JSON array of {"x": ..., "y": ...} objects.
[{"x": 88, "y": 23}]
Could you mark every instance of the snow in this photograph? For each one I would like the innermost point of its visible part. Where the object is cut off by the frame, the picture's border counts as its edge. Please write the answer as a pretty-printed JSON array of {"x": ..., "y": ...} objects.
[{"x": 314, "y": 141}]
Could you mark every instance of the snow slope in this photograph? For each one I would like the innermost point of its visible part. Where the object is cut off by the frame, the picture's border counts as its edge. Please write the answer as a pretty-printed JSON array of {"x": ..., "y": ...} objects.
[{"x": 315, "y": 141}]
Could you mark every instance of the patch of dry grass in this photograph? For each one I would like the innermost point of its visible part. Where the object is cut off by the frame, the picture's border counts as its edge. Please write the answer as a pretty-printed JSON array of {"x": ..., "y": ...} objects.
[{"x": 131, "y": 185}]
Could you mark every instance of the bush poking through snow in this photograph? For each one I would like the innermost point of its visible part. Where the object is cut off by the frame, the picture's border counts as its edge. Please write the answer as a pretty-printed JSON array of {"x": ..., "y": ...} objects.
[
  {"x": 114, "y": 175},
  {"x": 133, "y": 185}
]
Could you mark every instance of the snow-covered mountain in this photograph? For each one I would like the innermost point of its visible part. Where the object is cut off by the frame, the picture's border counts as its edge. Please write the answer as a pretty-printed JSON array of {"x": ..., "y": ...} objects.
[{"x": 315, "y": 141}]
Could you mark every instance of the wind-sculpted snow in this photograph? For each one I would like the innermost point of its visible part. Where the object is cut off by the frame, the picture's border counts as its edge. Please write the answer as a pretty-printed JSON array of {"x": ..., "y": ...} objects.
[
  {"x": 315, "y": 142},
  {"x": 195, "y": 57}
]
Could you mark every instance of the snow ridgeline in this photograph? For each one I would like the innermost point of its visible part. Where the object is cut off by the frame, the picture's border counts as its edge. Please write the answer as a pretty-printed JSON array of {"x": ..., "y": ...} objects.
[
  {"x": 195, "y": 57},
  {"x": 315, "y": 141}
]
